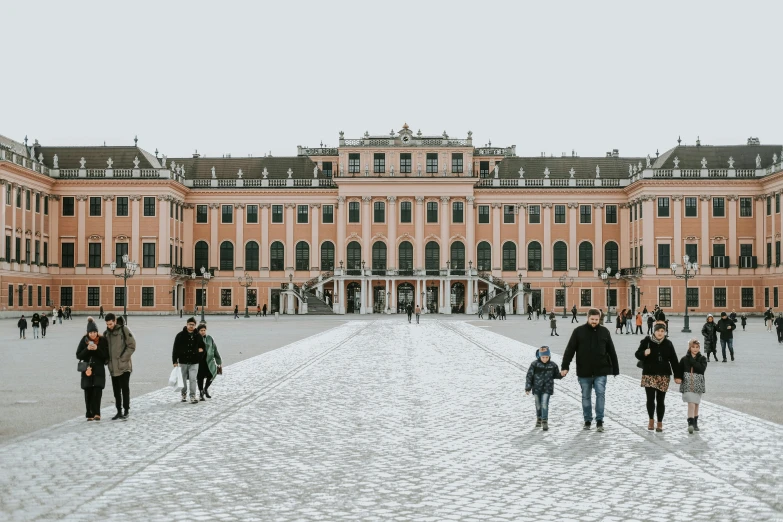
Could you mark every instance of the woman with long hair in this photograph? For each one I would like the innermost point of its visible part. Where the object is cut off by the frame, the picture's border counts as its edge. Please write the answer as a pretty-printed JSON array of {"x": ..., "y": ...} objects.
[
  {"x": 659, "y": 362},
  {"x": 93, "y": 350}
]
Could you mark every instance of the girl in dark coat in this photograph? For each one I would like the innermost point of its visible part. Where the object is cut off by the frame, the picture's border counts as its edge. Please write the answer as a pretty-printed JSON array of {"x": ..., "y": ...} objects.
[
  {"x": 93, "y": 349},
  {"x": 660, "y": 361},
  {"x": 693, "y": 366}
]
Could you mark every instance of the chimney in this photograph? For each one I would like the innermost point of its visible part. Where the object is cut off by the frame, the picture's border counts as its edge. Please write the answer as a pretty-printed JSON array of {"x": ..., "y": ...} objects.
[
  {"x": 609, "y": 154},
  {"x": 615, "y": 153},
  {"x": 196, "y": 154},
  {"x": 754, "y": 141}
]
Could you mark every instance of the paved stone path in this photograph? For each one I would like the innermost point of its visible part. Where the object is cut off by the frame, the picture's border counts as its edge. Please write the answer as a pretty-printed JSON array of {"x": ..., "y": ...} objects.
[{"x": 388, "y": 421}]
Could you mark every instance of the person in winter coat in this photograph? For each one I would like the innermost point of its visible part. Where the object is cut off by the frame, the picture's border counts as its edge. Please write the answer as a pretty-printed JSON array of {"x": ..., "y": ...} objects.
[
  {"x": 60, "y": 315},
  {"x": 417, "y": 311},
  {"x": 94, "y": 350},
  {"x": 628, "y": 322},
  {"x": 540, "y": 380},
  {"x": 743, "y": 320},
  {"x": 553, "y": 325},
  {"x": 710, "y": 333},
  {"x": 693, "y": 366},
  {"x": 22, "y": 324},
  {"x": 44, "y": 324},
  {"x": 620, "y": 322},
  {"x": 208, "y": 367},
  {"x": 726, "y": 329},
  {"x": 236, "y": 311},
  {"x": 650, "y": 322},
  {"x": 188, "y": 349},
  {"x": 595, "y": 359},
  {"x": 529, "y": 312},
  {"x": 733, "y": 316},
  {"x": 638, "y": 323},
  {"x": 122, "y": 344},
  {"x": 35, "y": 321},
  {"x": 573, "y": 314},
  {"x": 769, "y": 319},
  {"x": 263, "y": 311},
  {"x": 660, "y": 361},
  {"x": 779, "y": 327}
]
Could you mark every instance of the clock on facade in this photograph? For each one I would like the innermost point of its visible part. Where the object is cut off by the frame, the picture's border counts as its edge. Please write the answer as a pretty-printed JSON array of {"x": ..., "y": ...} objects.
[{"x": 406, "y": 139}]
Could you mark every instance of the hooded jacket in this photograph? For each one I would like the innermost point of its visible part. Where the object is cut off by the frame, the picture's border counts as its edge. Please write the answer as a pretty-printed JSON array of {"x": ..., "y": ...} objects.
[
  {"x": 594, "y": 350},
  {"x": 186, "y": 347},
  {"x": 541, "y": 376},
  {"x": 710, "y": 332},
  {"x": 120, "y": 350},
  {"x": 96, "y": 359}
]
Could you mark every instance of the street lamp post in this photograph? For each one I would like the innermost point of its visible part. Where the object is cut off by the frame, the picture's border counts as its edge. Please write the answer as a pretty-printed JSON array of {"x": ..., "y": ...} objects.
[
  {"x": 205, "y": 276},
  {"x": 566, "y": 283},
  {"x": 129, "y": 270},
  {"x": 689, "y": 272},
  {"x": 606, "y": 276},
  {"x": 245, "y": 281}
]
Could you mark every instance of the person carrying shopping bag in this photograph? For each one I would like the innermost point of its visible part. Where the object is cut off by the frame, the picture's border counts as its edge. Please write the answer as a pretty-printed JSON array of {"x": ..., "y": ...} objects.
[{"x": 211, "y": 364}]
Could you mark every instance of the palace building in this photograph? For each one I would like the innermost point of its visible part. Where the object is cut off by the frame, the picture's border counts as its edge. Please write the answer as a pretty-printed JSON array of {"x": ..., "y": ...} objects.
[{"x": 385, "y": 220}]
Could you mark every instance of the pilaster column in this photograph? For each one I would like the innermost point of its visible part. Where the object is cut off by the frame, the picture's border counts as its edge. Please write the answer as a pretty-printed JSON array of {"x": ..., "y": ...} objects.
[
  {"x": 598, "y": 249},
  {"x": 444, "y": 230},
  {"x": 573, "y": 219},
  {"x": 41, "y": 228},
  {"x": 108, "y": 237},
  {"x": 163, "y": 230},
  {"x": 547, "y": 246},
  {"x": 732, "y": 239},
  {"x": 419, "y": 239},
  {"x": 521, "y": 238},
  {"x": 187, "y": 234},
  {"x": 239, "y": 247},
  {"x": 135, "y": 238},
  {"x": 391, "y": 232},
  {"x": 214, "y": 247},
  {"x": 367, "y": 229},
  {"x": 290, "y": 216},
  {"x": 497, "y": 222},
  {"x": 470, "y": 232},
  {"x": 705, "y": 229},
  {"x": 81, "y": 231},
  {"x": 5, "y": 186},
  {"x": 625, "y": 236},
  {"x": 677, "y": 250},
  {"x": 54, "y": 230},
  {"x": 364, "y": 295},
  {"x": 340, "y": 254},
  {"x": 264, "y": 236},
  {"x": 315, "y": 214}
]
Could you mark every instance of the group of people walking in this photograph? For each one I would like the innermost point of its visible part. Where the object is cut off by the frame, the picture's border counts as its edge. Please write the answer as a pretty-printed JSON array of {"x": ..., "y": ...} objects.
[
  {"x": 196, "y": 354},
  {"x": 37, "y": 321}
]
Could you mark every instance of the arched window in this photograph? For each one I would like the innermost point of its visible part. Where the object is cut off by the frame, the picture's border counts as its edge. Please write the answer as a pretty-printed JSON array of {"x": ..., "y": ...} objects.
[
  {"x": 379, "y": 255},
  {"x": 277, "y": 256},
  {"x": 226, "y": 255},
  {"x": 484, "y": 260},
  {"x": 432, "y": 258},
  {"x": 405, "y": 256},
  {"x": 611, "y": 254},
  {"x": 302, "y": 256},
  {"x": 327, "y": 256},
  {"x": 457, "y": 256},
  {"x": 560, "y": 257},
  {"x": 354, "y": 256},
  {"x": 509, "y": 256},
  {"x": 201, "y": 257},
  {"x": 251, "y": 255},
  {"x": 585, "y": 256},
  {"x": 534, "y": 256}
]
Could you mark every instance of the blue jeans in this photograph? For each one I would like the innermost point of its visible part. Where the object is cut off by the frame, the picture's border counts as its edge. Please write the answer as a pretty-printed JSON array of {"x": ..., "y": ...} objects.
[
  {"x": 588, "y": 384},
  {"x": 723, "y": 343},
  {"x": 542, "y": 405}
]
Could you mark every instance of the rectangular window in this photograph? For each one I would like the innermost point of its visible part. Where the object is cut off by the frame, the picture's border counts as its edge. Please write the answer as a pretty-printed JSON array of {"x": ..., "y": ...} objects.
[
  {"x": 226, "y": 214},
  {"x": 719, "y": 297},
  {"x": 27, "y": 201},
  {"x": 66, "y": 256},
  {"x": 302, "y": 214},
  {"x": 46, "y": 254},
  {"x": 201, "y": 297},
  {"x": 692, "y": 251},
  {"x": 769, "y": 254},
  {"x": 277, "y": 213},
  {"x": 766, "y": 298},
  {"x": 225, "y": 297},
  {"x": 95, "y": 206},
  {"x": 328, "y": 214},
  {"x": 405, "y": 163},
  {"x": 94, "y": 255},
  {"x": 432, "y": 212},
  {"x": 641, "y": 210},
  {"x": 18, "y": 244},
  {"x": 585, "y": 297},
  {"x": 251, "y": 297},
  {"x": 48, "y": 300},
  {"x": 171, "y": 209},
  {"x": 148, "y": 251},
  {"x": 508, "y": 214},
  {"x": 691, "y": 207},
  {"x": 37, "y": 251},
  {"x": 93, "y": 296},
  {"x": 379, "y": 163},
  {"x": 353, "y": 212},
  {"x": 119, "y": 296},
  {"x": 201, "y": 214},
  {"x": 746, "y": 249},
  {"x": 326, "y": 168},
  {"x": 746, "y": 207},
  {"x": 122, "y": 206},
  {"x": 46, "y": 206},
  {"x": 718, "y": 207},
  {"x": 40, "y": 296},
  {"x": 769, "y": 205},
  {"x": 120, "y": 250},
  {"x": 252, "y": 214},
  {"x": 664, "y": 257},
  {"x": 777, "y": 253},
  {"x": 611, "y": 296},
  {"x": 66, "y": 296},
  {"x": 632, "y": 213},
  {"x": 611, "y": 214},
  {"x": 37, "y": 204},
  {"x": 777, "y": 203},
  {"x": 432, "y": 162},
  {"x": 405, "y": 212},
  {"x": 747, "y": 298},
  {"x": 147, "y": 296},
  {"x": 354, "y": 163},
  {"x": 149, "y": 206},
  {"x": 560, "y": 214},
  {"x": 663, "y": 207},
  {"x": 378, "y": 212},
  {"x": 10, "y": 295},
  {"x": 27, "y": 251},
  {"x": 585, "y": 214},
  {"x": 534, "y": 214},
  {"x": 8, "y": 200},
  {"x": 457, "y": 212},
  {"x": 718, "y": 250},
  {"x": 665, "y": 296},
  {"x": 559, "y": 297},
  {"x": 19, "y": 197},
  {"x": 692, "y": 298},
  {"x": 68, "y": 207},
  {"x": 456, "y": 163},
  {"x": 483, "y": 214},
  {"x": 484, "y": 169},
  {"x": 774, "y": 296}
]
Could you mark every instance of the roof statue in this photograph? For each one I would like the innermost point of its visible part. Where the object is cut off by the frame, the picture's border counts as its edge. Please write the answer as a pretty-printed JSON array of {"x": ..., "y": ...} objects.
[
  {"x": 55, "y": 160},
  {"x": 182, "y": 167},
  {"x": 173, "y": 166},
  {"x": 649, "y": 165},
  {"x": 597, "y": 171},
  {"x": 731, "y": 162},
  {"x": 136, "y": 162},
  {"x": 265, "y": 173},
  {"x": 521, "y": 173},
  {"x": 82, "y": 162},
  {"x": 640, "y": 166},
  {"x": 109, "y": 162},
  {"x": 634, "y": 170},
  {"x": 315, "y": 171},
  {"x": 546, "y": 172},
  {"x": 290, "y": 173},
  {"x": 164, "y": 161},
  {"x": 630, "y": 169},
  {"x": 758, "y": 161},
  {"x": 676, "y": 162},
  {"x": 704, "y": 163},
  {"x": 774, "y": 158},
  {"x": 213, "y": 173},
  {"x": 239, "y": 174},
  {"x": 572, "y": 172},
  {"x": 40, "y": 158},
  {"x": 497, "y": 167}
]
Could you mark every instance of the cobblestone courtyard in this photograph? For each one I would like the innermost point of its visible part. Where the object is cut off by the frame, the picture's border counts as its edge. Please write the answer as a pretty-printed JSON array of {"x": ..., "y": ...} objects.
[{"x": 382, "y": 420}]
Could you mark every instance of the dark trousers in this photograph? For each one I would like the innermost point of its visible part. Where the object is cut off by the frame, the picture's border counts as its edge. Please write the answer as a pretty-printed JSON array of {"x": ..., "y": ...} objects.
[
  {"x": 43, "y": 331},
  {"x": 92, "y": 401},
  {"x": 409, "y": 317},
  {"x": 658, "y": 409},
  {"x": 780, "y": 335},
  {"x": 638, "y": 329},
  {"x": 21, "y": 332},
  {"x": 204, "y": 378},
  {"x": 121, "y": 387},
  {"x": 649, "y": 329},
  {"x": 573, "y": 319}
]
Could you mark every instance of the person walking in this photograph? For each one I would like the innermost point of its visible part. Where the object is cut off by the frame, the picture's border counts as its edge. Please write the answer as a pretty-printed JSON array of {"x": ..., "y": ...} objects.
[
  {"x": 650, "y": 321},
  {"x": 418, "y": 313},
  {"x": 573, "y": 315},
  {"x": 596, "y": 358},
  {"x": 726, "y": 329},
  {"x": 553, "y": 325},
  {"x": 710, "y": 334},
  {"x": 733, "y": 315},
  {"x": 620, "y": 322},
  {"x": 236, "y": 311},
  {"x": 778, "y": 327},
  {"x": 538, "y": 314},
  {"x": 22, "y": 324},
  {"x": 35, "y": 321},
  {"x": 188, "y": 347},
  {"x": 211, "y": 364},
  {"x": 638, "y": 323},
  {"x": 540, "y": 379},
  {"x": 100, "y": 312},
  {"x": 543, "y": 312},
  {"x": 769, "y": 319},
  {"x": 529, "y": 312},
  {"x": 659, "y": 362},
  {"x": 263, "y": 311},
  {"x": 121, "y": 345},
  {"x": 628, "y": 322},
  {"x": 60, "y": 315},
  {"x": 645, "y": 312},
  {"x": 744, "y": 320},
  {"x": 503, "y": 312},
  {"x": 258, "y": 310},
  {"x": 68, "y": 313},
  {"x": 409, "y": 311},
  {"x": 480, "y": 311},
  {"x": 693, "y": 365},
  {"x": 93, "y": 350},
  {"x": 44, "y": 323}
]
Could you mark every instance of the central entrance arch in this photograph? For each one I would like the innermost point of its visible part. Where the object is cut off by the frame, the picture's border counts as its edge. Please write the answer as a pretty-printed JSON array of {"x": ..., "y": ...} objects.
[
  {"x": 353, "y": 298},
  {"x": 457, "y": 298},
  {"x": 405, "y": 294}
]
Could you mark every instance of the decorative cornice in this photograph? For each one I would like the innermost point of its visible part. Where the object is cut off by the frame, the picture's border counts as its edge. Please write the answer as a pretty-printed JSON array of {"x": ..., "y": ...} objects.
[
  {"x": 391, "y": 199},
  {"x": 95, "y": 237},
  {"x": 188, "y": 205},
  {"x": 419, "y": 200},
  {"x": 732, "y": 197},
  {"x": 367, "y": 199},
  {"x": 162, "y": 197},
  {"x": 547, "y": 205},
  {"x": 122, "y": 237},
  {"x": 760, "y": 197},
  {"x": 648, "y": 197},
  {"x": 108, "y": 197},
  {"x": 55, "y": 197},
  {"x": 81, "y": 197},
  {"x": 214, "y": 206},
  {"x": 264, "y": 205},
  {"x": 239, "y": 205},
  {"x": 444, "y": 199},
  {"x": 705, "y": 197},
  {"x": 289, "y": 205},
  {"x": 572, "y": 204},
  {"x": 691, "y": 238},
  {"x": 28, "y": 232},
  {"x": 340, "y": 200},
  {"x": 598, "y": 205},
  {"x": 37, "y": 233},
  {"x": 134, "y": 197},
  {"x": 315, "y": 205},
  {"x": 470, "y": 199},
  {"x": 496, "y": 205},
  {"x": 677, "y": 197}
]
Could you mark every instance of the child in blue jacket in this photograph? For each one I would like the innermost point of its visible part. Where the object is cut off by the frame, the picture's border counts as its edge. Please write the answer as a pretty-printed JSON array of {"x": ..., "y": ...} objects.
[{"x": 541, "y": 380}]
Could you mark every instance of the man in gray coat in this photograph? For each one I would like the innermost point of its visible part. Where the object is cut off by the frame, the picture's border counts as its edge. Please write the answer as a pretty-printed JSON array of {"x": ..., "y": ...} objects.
[{"x": 121, "y": 347}]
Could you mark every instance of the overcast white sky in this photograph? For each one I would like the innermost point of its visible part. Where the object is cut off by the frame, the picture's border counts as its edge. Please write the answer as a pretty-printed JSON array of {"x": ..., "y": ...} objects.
[{"x": 253, "y": 77}]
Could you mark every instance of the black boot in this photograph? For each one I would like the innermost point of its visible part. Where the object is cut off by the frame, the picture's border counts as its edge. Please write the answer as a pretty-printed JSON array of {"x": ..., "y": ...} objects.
[
  {"x": 696, "y": 423},
  {"x": 206, "y": 393},
  {"x": 690, "y": 425},
  {"x": 127, "y": 412},
  {"x": 118, "y": 416}
]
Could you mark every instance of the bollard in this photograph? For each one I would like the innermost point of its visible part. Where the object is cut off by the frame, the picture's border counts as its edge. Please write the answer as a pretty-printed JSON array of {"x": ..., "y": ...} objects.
[{"x": 277, "y": 315}]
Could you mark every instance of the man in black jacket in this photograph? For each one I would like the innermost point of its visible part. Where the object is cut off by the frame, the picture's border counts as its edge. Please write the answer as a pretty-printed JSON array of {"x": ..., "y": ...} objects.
[
  {"x": 726, "y": 328},
  {"x": 595, "y": 359},
  {"x": 573, "y": 315},
  {"x": 188, "y": 349}
]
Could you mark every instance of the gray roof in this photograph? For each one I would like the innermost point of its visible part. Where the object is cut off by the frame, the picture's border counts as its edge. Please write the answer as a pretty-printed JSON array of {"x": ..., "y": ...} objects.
[
  {"x": 96, "y": 157},
  {"x": 584, "y": 168},
  {"x": 252, "y": 168},
  {"x": 717, "y": 156}
]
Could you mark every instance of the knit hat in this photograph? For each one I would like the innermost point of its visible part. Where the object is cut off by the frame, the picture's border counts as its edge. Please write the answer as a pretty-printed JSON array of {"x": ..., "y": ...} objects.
[
  {"x": 92, "y": 327},
  {"x": 709, "y": 315},
  {"x": 659, "y": 327},
  {"x": 544, "y": 352},
  {"x": 723, "y": 314}
]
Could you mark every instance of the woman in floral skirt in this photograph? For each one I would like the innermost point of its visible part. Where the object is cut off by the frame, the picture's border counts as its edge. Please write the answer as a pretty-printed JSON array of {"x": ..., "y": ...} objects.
[{"x": 660, "y": 361}]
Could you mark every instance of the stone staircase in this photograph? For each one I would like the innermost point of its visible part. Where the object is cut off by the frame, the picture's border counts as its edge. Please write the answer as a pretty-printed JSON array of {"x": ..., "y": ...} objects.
[{"x": 316, "y": 306}]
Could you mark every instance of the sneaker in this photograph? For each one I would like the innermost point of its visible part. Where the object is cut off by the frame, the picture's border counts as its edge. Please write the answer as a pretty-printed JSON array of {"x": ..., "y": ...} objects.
[
  {"x": 538, "y": 423},
  {"x": 201, "y": 398},
  {"x": 184, "y": 399},
  {"x": 724, "y": 360},
  {"x": 587, "y": 425},
  {"x": 732, "y": 357},
  {"x": 544, "y": 425},
  {"x": 599, "y": 425},
  {"x": 193, "y": 399}
]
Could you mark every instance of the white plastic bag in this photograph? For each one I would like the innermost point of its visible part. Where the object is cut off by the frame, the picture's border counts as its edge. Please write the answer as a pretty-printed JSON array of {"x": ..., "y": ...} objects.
[{"x": 175, "y": 379}]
